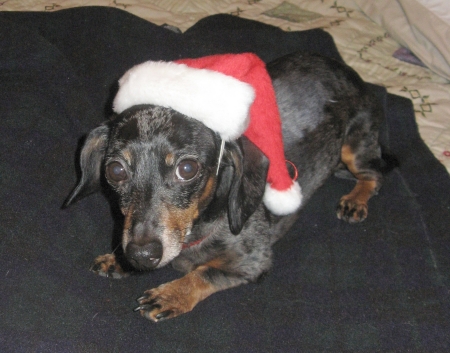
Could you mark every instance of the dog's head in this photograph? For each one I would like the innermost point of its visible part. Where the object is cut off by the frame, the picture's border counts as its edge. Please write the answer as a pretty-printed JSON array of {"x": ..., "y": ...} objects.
[{"x": 163, "y": 166}]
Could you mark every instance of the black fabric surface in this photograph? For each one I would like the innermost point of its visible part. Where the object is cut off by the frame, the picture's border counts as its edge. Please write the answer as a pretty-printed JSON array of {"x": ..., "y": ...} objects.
[{"x": 379, "y": 286}]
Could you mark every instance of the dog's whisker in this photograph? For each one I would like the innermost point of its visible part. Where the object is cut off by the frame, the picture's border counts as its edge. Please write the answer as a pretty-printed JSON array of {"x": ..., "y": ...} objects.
[{"x": 118, "y": 245}]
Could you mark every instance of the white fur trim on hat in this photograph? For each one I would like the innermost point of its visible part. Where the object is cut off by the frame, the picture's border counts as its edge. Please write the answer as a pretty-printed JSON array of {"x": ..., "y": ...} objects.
[
  {"x": 283, "y": 202},
  {"x": 219, "y": 101}
]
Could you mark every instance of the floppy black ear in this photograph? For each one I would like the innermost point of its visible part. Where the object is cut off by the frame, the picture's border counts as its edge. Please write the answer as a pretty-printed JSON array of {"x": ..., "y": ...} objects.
[
  {"x": 91, "y": 160},
  {"x": 248, "y": 181}
]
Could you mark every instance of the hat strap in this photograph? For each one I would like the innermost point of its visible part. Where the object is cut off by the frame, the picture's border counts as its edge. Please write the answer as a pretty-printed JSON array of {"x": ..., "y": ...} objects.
[{"x": 222, "y": 147}]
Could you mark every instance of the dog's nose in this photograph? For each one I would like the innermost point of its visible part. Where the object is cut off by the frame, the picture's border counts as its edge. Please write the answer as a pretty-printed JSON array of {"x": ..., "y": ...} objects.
[{"x": 146, "y": 256}]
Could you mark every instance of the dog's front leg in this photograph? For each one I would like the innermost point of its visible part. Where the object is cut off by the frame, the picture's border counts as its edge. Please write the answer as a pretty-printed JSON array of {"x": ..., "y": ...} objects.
[{"x": 182, "y": 295}]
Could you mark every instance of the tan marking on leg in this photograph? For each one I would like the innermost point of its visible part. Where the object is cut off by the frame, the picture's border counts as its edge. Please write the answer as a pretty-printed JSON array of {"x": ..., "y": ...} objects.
[
  {"x": 348, "y": 157},
  {"x": 362, "y": 192},
  {"x": 176, "y": 297},
  {"x": 215, "y": 263},
  {"x": 353, "y": 206}
]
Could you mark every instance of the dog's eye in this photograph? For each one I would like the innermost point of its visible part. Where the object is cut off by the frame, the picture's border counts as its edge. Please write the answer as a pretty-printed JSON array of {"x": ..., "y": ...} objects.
[
  {"x": 116, "y": 172},
  {"x": 187, "y": 169}
]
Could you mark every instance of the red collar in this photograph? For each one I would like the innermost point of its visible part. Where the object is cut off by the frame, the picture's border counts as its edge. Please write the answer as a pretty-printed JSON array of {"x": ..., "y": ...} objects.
[{"x": 193, "y": 243}]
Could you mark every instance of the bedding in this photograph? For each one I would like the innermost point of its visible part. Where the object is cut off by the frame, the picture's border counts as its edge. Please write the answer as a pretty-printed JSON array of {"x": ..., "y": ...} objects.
[
  {"x": 421, "y": 25},
  {"x": 379, "y": 286},
  {"x": 367, "y": 46}
]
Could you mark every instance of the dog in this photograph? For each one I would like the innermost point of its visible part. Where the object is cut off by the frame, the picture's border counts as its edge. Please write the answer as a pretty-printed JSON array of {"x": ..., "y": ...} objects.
[{"x": 209, "y": 221}]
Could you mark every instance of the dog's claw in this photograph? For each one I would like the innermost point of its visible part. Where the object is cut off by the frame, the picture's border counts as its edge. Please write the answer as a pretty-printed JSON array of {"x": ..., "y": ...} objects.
[
  {"x": 144, "y": 307},
  {"x": 95, "y": 267},
  {"x": 147, "y": 309},
  {"x": 163, "y": 315},
  {"x": 144, "y": 297}
]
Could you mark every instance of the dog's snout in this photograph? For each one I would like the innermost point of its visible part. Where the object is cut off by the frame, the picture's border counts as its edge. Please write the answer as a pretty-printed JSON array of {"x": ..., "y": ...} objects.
[{"x": 146, "y": 256}]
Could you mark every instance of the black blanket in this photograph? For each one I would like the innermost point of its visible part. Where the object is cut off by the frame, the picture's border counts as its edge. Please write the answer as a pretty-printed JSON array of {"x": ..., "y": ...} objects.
[{"x": 382, "y": 285}]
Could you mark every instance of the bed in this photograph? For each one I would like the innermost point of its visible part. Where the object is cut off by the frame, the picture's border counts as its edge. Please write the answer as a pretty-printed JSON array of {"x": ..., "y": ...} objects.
[
  {"x": 382, "y": 285},
  {"x": 388, "y": 43}
]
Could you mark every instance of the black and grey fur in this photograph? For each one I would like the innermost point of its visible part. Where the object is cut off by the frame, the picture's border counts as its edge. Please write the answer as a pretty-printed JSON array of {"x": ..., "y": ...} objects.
[{"x": 215, "y": 228}]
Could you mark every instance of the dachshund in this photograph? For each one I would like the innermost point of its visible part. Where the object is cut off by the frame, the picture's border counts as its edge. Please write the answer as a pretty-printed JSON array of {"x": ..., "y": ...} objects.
[{"x": 209, "y": 221}]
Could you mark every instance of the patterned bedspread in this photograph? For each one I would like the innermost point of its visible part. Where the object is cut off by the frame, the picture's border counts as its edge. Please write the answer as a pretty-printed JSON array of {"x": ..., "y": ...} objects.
[{"x": 363, "y": 44}]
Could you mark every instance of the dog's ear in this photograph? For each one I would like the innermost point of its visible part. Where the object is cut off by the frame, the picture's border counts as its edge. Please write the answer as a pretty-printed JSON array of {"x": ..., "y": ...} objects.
[
  {"x": 91, "y": 159},
  {"x": 248, "y": 181}
]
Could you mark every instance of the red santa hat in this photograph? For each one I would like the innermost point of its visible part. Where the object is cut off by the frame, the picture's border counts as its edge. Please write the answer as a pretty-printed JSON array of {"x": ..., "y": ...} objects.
[{"x": 232, "y": 94}]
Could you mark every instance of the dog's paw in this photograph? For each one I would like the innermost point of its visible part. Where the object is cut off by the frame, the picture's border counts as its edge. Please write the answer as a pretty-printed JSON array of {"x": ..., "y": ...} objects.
[
  {"x": 351, "y": 211},
  {"x": 107, "y": 266},
  {"x": 175, "y": 298},
  {"x": 165, "y": 302}
]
